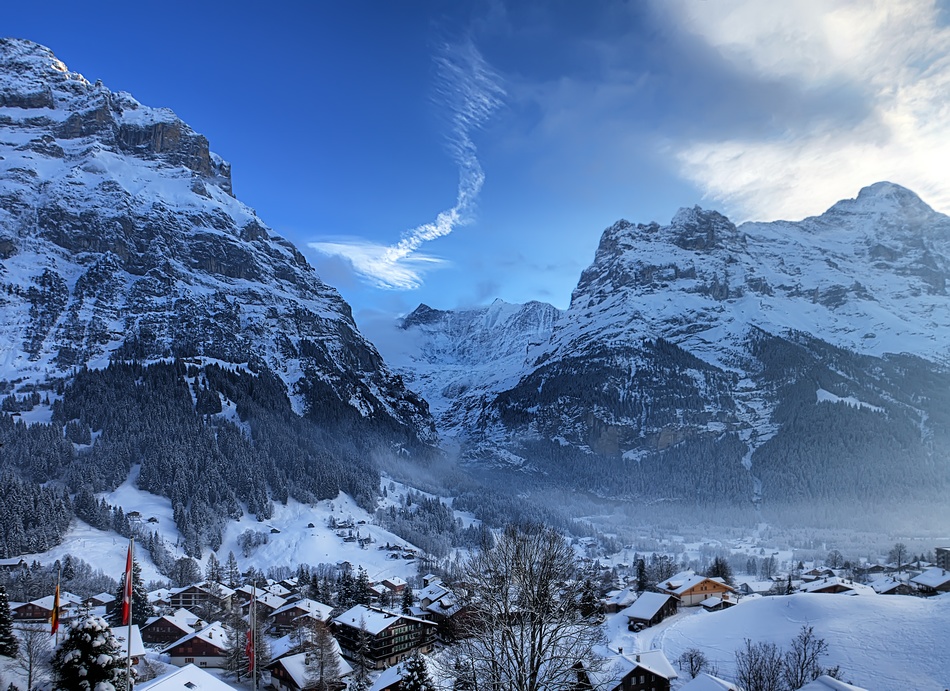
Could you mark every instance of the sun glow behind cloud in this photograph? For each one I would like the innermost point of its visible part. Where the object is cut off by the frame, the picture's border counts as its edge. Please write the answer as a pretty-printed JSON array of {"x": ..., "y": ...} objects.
[
  {"x": 894, "y": 51},
  {"x": 470, "y": 92}
]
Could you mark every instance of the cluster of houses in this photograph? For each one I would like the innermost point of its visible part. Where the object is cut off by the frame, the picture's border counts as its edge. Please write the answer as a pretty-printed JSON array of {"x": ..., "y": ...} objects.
[
  {"x": 184, "y": 638},
  {"x": 387, "y": 637}
]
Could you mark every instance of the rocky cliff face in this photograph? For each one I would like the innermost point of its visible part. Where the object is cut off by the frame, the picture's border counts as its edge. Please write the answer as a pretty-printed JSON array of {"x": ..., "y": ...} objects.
[
  {"x": 120, "y": 238},
  {"x": 701, "y": 361}
]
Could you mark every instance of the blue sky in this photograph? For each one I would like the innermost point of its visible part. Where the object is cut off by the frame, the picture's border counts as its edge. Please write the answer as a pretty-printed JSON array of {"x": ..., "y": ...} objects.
[{"x": 455, "y": 152}]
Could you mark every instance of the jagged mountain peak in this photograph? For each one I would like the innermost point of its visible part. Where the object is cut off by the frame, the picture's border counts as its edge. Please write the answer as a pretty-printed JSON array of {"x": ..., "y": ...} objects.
[
  {"x": 120, "y": 237},
  {"x": 29, "y": 72}
]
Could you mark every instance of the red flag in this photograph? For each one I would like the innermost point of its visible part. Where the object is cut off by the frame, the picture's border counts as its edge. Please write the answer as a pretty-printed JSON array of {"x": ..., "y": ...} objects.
[
  {"x": 54, "y": 617},
  {"x": 249, "y": 647},
  {"x": 127, "y": 590},
  {"x": 249, "y": 651}
]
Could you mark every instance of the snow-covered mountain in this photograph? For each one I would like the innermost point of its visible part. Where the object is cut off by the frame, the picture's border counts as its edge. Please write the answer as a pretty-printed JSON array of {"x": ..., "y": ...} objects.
[
  {"x": 121, "y": 242},
  {"x": 783, "y": 361},
  {"x": 119, "y": 231}
]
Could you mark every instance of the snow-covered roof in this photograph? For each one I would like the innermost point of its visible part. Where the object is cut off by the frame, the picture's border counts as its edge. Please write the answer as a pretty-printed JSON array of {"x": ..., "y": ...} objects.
[
  {"x": 104, "y": 598},
  {"x": 64, "y": 600},
  {"x": 375, "y": 620},
  {"x": 822, "y": 583},
  {"x": 214, "y": 634},
  {"x": 826, "y": 683},
  {"x": 715, "y": 601},
  {"x": 446, "y": 606},
  {"x": 182, "y": 618},
  {"x": 309, "y": 606},
  {"x": 269, "y": 599},
  {"x": 618, "y": 665},
  {"x": 685, "y": 580},
  {"x": 188, "y": 678},
  {"x": 161, "y": 594},
  {"x": 646, "y": 606},
  {"x": 278, "y": 590},
  {"x": 121, "y": 634},
  {"x": 933, "y": 578},
  {"x": 886, "y": 585},
  {"x": 296, "y": 666},
  {"x": 433, "y": 591},
  {"x": 621, "y": 598},
  {"x": 707, "y": 682}
]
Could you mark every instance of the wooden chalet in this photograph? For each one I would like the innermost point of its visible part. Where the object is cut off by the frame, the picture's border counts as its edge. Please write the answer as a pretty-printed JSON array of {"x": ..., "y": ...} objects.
[
  {"x": 168, "y": 628},
  {"x": 393, "y": 637},
  {"x": 284, "y": 618},
  {"x": 194, "y": 597},
  {"x": 205, "y": 648},
  {"x": 832, "y": 585},
  {"x": 932, "y": 581},
  {"x": 644, "y": 671},
  {"x": 290, "y": 673},
  {"x": 101, "y": 600},
  {"x": 266, "y": 604},
  {"x": 691, "y": 589},
  {"x": 649, "y": 610},
  {"x": 717, "y": 603},
  {"x": 42, "y": 609}
]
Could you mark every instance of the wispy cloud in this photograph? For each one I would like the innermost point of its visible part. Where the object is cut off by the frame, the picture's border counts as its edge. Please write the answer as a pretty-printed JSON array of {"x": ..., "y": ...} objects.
[
  {"x": 470, "y": 91},
  {"x": 896, "y": 53}
]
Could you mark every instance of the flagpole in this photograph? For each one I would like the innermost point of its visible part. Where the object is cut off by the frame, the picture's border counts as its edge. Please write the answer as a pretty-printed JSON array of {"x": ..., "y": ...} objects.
[
  {"x": 128, "y": 635},
  {"x": 59, "y": 576},
  {"x": 254, "y": 636}
]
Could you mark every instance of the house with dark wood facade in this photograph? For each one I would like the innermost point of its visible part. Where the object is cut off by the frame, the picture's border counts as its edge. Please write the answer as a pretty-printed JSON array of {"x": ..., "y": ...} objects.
[
  {"x": 392, "y": 637},
  {"x": 649, "y": 610},
  {"x": 205, "y": 648}
]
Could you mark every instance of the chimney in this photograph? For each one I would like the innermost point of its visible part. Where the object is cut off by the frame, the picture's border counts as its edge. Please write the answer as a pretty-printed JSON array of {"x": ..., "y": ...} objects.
[{"x": 620, "y": 650}]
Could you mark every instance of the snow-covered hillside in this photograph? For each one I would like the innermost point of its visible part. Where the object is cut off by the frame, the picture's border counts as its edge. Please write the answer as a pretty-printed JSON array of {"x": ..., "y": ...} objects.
[
  {"x": 291, "y": 539},
  {"x": 880, "y": 641}
]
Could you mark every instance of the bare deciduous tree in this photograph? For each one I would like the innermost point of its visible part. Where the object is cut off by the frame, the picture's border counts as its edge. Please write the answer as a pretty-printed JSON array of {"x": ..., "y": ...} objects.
[
  {"x": 693, "y": 661},
  {"x": 898, "y": 555},
  {"x": 525, "y": 630},
  {"x": 759, "y": 667},
  {"x": 801, "y": 662},
  {"x": 33, "y": 657}
]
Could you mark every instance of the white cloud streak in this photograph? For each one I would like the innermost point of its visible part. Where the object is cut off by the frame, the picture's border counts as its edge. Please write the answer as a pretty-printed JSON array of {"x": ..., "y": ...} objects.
[
  {"x": 471, "y": 91},
  {"x": 894, "y": 51}
]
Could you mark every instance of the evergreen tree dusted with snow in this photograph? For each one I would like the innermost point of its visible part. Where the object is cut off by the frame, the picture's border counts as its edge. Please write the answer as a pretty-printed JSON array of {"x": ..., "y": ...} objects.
[
  {"x": 9, "y": 645},
  {"x": 90, "y": 659},
  {"x": 417, "y": 675},
  {"x": 141, "y": 608},
  {"x": 232, "y": 573}
]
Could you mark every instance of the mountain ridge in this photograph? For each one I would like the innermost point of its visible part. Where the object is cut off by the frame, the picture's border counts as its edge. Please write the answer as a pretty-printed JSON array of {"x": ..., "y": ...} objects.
[{"x": 696, "y": 339}]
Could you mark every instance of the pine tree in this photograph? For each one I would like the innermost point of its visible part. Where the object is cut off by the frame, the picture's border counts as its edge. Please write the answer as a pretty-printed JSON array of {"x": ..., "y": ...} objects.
[
  {"x": 142, "y": 609},
  {"x": 214, "y": 573},
  {"x": 642, "y": 581},
  {"x": 90, "y": 659},
  {"x": 231, "y": 571},
  {"x": 416, "y": 676},
  {"x": 408, "y": 600},
  {"x": 361, "y": 588},
  {"x": 322, "y": 661},
  {"x": 9, "y": 645},
  {"x": 361, "y": 659}
]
